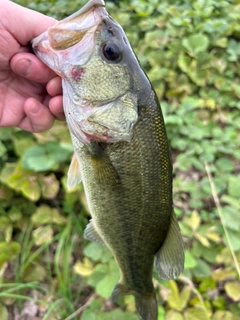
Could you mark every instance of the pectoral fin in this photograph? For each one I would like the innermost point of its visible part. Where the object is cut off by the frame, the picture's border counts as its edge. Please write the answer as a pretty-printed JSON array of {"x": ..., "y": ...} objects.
[
  {"x": 91, "y": 234},
  {"x": 170, "y": 257},
  {"x": 74, "y": 175}
]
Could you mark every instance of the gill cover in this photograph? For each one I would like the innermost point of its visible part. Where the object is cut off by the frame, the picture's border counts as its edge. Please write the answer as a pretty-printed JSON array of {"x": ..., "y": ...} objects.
[{"x": 87, "y": 51}]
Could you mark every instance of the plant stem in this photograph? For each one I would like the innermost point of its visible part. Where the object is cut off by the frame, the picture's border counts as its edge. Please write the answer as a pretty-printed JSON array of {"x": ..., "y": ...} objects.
[
  {"x": 219, "y": 209},
  {"x": 78, "y": 311}
]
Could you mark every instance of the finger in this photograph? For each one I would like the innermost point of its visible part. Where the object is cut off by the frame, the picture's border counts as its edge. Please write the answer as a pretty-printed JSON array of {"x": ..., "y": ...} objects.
[
  {"x": 38, "y": 117},
  {"x": 54, "y": 86},
  {"x": 56, "y": 107},
  {"x": 30, "y": 67}
]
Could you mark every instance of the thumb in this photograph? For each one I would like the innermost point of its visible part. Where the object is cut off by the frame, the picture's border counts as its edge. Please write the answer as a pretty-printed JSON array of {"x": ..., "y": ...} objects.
[
  {"x": 30, "y": 67},
  {"x": 32, "y": 22}
]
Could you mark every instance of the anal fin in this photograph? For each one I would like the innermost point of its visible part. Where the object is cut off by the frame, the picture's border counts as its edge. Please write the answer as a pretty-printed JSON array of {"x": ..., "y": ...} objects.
[
  {"x": 91, "y": 234},
  {"x": 74, "y": 175},
  {"x": 169, "y": 260}
]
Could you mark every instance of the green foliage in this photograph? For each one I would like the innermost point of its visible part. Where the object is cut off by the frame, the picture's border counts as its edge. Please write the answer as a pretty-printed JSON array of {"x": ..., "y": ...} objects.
[
  {"x": 45, "y": 157},
  {"x": 190, "y": 51},
  {"x": 94, "y": 313}
]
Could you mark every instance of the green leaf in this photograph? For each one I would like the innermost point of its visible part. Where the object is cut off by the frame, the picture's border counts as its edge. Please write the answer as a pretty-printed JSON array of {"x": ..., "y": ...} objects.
[
  {"x": 202, "y": 269},
  {"x": 196, "y": 43},
  {"x": 203, "y": 240},
  {"x": 232, "y": 201},
  {"x": 233, "y": 50},
  {"x": 3, "y": 149},
  {"x": 45, "y": 157},
  {"x": 190, "y": 261},
  {"x": 45, "y": 215},
  {"x": 223, "y": 274},
  {"x": 213, "y": 235},
  {"x": 7, "y": 133},
  {"x": 107, "y": 284},
  {"x": 234, "y": 240},
  {"x": 233, "y": 290},
  {"x": 224, "y": 256},
  {"x": 21, "y": 144},
  {"x": 84, "y": 268},
  {"x": 206, "y": 284},
  {"x": 9, "y": 250},
  {"x": 6, "y": 172},
  {"x": 234, "y": 186},
  {"x": 94, "y": 251},
  {"x": 209, "y": 254},
  {"x": 196, "y": 314},
  {"x": 194, "y": 220},
  {"x": 225, "y": 164},
  {"x": 178, "y": 300},
  {"x": 24, "y": 181},
  {"x": 161, "y": 313},
  {"x": 197, "y": 249},
  {"x": 185, "y": 295},
  {"x": 6, "y": 228},
  {"x": 231, "y": 218},
  {"x": 3, "y": 312},
  {"x": 222, "y": 315},
  {"x": 118, "y": 315},
  {"x": 42, "y": 235},
  {"x": 34, "y": 272},
  {"x": 31, "y": 189},
  {"x": 99, "y": 273},
  {"x": 5, "y": 193},
  {"x": 89, "y": 315},
  {"x": 50, "y": 186},
  {"x": 174, "y": 315}
]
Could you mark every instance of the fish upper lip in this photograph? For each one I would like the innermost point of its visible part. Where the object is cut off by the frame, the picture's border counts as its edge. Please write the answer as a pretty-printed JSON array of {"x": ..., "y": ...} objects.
[
  {"x": 88, "y": 6},
  {"x": 68, "y": 32},
  {"x": 87, "y": 17},
  {"x": 57, "y": 38}
]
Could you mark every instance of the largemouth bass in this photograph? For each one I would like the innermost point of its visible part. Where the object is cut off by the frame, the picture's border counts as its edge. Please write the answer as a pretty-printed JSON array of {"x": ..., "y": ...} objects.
[{"x": 121, "y": 151}]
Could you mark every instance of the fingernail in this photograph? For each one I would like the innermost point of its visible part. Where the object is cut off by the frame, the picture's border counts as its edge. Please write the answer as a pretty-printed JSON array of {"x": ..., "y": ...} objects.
[
  {"x": 36, "y": 108},
  {"x": 23, "y": 67}
]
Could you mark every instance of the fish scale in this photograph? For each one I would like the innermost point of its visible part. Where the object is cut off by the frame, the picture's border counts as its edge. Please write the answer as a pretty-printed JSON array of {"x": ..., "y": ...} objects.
[{"x": 121, "y": 151}]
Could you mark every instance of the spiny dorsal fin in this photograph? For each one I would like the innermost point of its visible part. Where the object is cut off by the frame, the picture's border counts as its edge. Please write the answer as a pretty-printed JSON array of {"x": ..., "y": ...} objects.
[
  {"x": 91, "y": 234},
  {"x": 74, "y": 175},
  {"x": 170, "y": 258}
]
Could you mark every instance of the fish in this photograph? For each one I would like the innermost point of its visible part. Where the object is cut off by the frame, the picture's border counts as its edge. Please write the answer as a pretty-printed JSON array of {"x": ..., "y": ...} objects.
[{"x": 121, "y": 150}]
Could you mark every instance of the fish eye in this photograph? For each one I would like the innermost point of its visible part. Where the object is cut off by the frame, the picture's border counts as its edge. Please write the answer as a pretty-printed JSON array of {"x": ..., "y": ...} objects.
[{"x": 111, "y": 51}]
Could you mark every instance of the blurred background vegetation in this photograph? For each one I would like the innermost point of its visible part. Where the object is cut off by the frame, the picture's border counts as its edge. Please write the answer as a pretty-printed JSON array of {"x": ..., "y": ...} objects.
[{"x": 190, "y": 51}]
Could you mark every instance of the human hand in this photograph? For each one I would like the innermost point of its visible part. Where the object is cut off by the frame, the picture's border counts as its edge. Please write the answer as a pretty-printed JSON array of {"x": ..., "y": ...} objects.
[{"x": 30, "y": 93}]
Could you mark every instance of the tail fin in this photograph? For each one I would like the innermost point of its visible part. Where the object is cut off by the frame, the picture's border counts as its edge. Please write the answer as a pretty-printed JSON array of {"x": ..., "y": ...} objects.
[{"x": 146, "y": 304}]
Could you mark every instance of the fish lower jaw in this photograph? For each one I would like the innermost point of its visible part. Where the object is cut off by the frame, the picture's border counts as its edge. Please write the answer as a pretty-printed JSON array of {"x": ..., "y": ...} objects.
[
  {"x": 105, "y": 135},
  {"x": 93, "y": 137},
  {"x": 105, "y": 138}
]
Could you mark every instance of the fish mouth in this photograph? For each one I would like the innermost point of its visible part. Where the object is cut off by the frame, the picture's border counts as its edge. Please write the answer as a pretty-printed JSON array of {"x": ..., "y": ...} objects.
[{"x": 52, "y": 46}]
